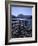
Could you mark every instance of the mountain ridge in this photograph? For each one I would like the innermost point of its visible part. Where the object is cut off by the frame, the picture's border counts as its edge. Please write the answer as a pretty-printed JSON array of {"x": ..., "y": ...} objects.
[{"x": 22, "y": 16}]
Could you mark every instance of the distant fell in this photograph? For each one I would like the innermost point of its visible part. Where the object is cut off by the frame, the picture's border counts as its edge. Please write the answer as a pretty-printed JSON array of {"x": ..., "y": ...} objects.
[{"x": 22, "y": 16}]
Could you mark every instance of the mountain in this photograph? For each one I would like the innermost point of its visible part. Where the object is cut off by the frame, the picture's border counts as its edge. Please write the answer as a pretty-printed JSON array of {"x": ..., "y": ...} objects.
[
  {"x": 23, "y": 16},
  {"x": 13, "y": 16}
]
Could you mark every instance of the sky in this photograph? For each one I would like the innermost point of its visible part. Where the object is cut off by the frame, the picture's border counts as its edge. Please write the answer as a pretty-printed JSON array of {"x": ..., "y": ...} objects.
[{"x": 21, "y": 10}]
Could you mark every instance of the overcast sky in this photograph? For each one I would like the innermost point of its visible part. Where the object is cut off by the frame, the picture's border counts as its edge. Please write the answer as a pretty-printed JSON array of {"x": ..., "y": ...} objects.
[{"x": 21, "y": 10}]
